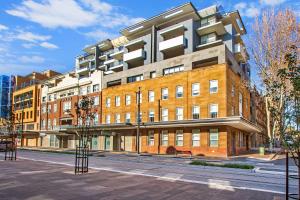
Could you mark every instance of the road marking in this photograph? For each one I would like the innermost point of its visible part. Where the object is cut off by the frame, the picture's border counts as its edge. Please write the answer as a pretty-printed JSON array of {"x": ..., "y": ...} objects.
[{"x": 159, "y": 177}]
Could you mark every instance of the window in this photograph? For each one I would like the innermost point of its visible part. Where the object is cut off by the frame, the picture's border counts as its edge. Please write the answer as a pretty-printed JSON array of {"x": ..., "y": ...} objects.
[
  {"x": 179, "y": 91},
  {"x": 151, "y": 115},
  {"x": 241, "y": 139},
  {"x": 107, "y": 119},
  {"x": 127, "y": 117},
  {"x": 44, "y": 99},
  {"x": 213, "y": 110},
  {"x": 117, "y": 118},
  {"x": 31, "y": 114},
  {"x": 232, "y": 110},
  {"x": 117, "y": 100},
  {"x": 137, "y": 97},
  {"x": 196, "y": 138},
  {"x": 82, "y": 90},
  {"x": 153, "y": 74},
  {"x": 43, "y": 124},
  {"x": 50, "y": 98},
  {"x": 96, "y": 101},
  {"x": 96, "y": 88},
  {"x": 127, "y": 99},
  {"x": 205, "y": 39},
  {"x": 151, "y": 96},
  {"x": 88, "y": 89},
  {"x": 208, "y": 20},
  {"x": 55, "y": 107},
  {"x": 139, "y": 117},
  {"x": 172, "y": 70},
  {"x": 49, "y": 123},
  {"x": 44, "y": 108},
  {"x": 107, "y": 102},
  {"x": 164, "y": 93},
  {"x": 151, "y": 138},
  {"x": 179, "y": 113},
  {"x": 179, "y": 138},
  {"x": 132, "y": 79},
  {"x": 49, "y": 108},
  {"x": 195, "y": 89},
  {"x": 164, "y": 138},
  {"x": 213, "y": 86},
  {"x": 55, "y": 96},
  {"x": 195, "y": 112},
  {"x": 67, "y": 106},
  {"x": 96, "y": 119},
  {"x": 241, "y": 104},
  {"x": 213, "y": 137},
  {"x": 164, "y": 114},
  {"x": 54, "y": 123}
]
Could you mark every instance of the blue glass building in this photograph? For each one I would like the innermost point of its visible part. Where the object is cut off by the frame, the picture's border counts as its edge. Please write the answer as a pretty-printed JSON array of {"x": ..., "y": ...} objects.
[{"x": 6, "y": 88}]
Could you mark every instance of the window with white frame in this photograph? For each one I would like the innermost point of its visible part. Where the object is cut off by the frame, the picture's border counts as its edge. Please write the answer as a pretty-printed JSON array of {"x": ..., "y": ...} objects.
[
  {"x": 44, "y": 109},
  {"x": 88, "y": 89},
  {"x": 49, "y": 124},
  {"x": 164, "y": 93},
  {"x": 96, "y": 101},
  {"x": 195, "y": 89},
  {"x": 213, "y": 86},
  {"x": 117, "y": 118},
  {"x": 43, "y": 123},
  {"x": 127, "y": 99},
  {"x": 132, "y": 79},
  {"x": 179, "y": 113},
  {"x": 50, "y": 97},
  {"x": 196, "y": 137},
  {"x": 241, "y": 104},
  {"x": 208, "y": 21},
  {"x": 232, "y": 110},
  {"x": 172, "y": 70},
  {"x": 164, "y": 138},
  {"x": 55, "y": 108},
  {"x": 213, "y": 137},
  {"x": 49, "y": 108},
  {"x": 67, "y": 106},
  {"x": 96, "y": 88},
  {"x": 151, "y": 138},
  {"x": 165, "y": 114},
  {"x": 127, "y": 117},
  {"x": 117, "y": 101},
  {"x": 179, "y": 138},
  {"x": 82, "y": 90},
  {"x": 179, "y": 91},
  {"x": 54, "y": 123},
  {"x": 151, "y": 96},
  {"x": 208, "y": 38},
  {"x": 195, "y": 112},
  {"x": 107, "y": 102},
  {"x": 213, "y": 108},
  {"x": 153, "y": 74},
  {"x": 107, "y": 119},
  {"x": 137, "y": 97},
  {"x": 151, "y": 115},
  {"x": 96, "y": 119}
]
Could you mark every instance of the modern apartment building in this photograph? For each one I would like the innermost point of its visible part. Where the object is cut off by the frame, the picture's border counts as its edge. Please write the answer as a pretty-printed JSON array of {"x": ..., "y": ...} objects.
[
  {"x": 26, "y": 103},
  {"x": 6, "y": 86},
  {"x": 192, "y": 70}
]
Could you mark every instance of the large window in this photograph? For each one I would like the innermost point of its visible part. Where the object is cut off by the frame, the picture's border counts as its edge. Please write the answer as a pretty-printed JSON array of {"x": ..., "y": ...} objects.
[
  {"x": 135, "y": 78},
  {"x": 96, "y": 119},
  {"x": 164, "y": 138},
  {"x": 96, "y": 88},
  {"x": 127, "y": 99},
  {"x": 172, "y": 70},
  {"x": 213, "y": 137},
  {"x": 96, "y": 101},
  {"x": 195, "y": 89},
  {"x": 179, "y": 113},
  {"x": 151, "y": 138},
  {"x": 67, "y": 106},
  {"x": 151, "y": 96},
  {"x": 179, "y": 138},
  {"x": 213, "y": 86},
  {"x": 151, "y": 115},
  {"x": 117, "y": 118},
  {"x": 117, "y": 100},
  {"x": 127, "y": 117},
  {"x": 164, "y": 93},
  {"x": 107, "y": 102},
  {"x": 195, "y": 112},
  {"x": 205, "y": 39},
  {"x": 196, "y": 137},
  {"x": 179, "y": 91},
  {"x": 213, "y": 110},
  {"x": 165, "y": 114},
  {"x": 208, "y": 20},
  {"x": 107, "y": 119}
]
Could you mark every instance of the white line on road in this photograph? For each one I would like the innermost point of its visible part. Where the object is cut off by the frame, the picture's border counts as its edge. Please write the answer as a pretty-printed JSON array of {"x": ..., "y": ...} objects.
[{"x": 156, "y": 176}]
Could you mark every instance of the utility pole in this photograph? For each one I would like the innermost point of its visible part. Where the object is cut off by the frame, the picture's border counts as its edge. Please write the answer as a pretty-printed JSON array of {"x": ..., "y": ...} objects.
[
  {"x": 159, "y": 134},
  {"x": 138, "y": 121}
]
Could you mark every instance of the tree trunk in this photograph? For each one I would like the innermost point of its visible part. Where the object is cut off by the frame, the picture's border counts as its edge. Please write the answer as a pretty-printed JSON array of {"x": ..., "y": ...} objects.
[{"x": 268, "y": 122}]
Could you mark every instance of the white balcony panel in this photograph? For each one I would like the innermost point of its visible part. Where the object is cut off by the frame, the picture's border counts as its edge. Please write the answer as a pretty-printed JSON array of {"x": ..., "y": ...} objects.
[
  {"x": 108, "y": 72},
  {"x": 134, "y": 55},
  {"x": 240, "y": 52},
  {"x": 217, "y": 27},
  {"x": 178, "y": 28},
  {"x": 116, "y": 67},
  {"x": 109, "y": 61},
  {"x": 117, "y": 55},
  {"x": 82, "y": 70},
  {"x": 103, "y": 57},
  {"x": 209, "y": 44},
  {"x": 172, "y": 43}
]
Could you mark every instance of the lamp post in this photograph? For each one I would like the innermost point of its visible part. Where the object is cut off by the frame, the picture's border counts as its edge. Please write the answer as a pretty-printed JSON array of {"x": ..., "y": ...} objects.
[{"x": 138, "y": 121}]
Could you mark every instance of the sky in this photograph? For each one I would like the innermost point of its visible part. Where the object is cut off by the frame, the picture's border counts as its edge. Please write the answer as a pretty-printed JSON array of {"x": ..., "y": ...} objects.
[{"x": 36, "y": 35}]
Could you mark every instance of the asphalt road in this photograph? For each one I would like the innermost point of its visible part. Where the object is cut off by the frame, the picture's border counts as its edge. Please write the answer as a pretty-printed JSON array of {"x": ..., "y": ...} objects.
[{"x": 40, "y": 180}]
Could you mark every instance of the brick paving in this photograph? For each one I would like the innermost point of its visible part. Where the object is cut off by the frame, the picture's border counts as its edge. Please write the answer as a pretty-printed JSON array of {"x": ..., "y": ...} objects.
[{"x": 32, "y": 180}]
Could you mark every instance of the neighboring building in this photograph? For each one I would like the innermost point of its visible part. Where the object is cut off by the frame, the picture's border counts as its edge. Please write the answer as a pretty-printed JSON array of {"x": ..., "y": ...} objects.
[
  {"x": 6, "y": 86},
  {"x": 26, "y": 102},
  {"x": 193, "y": 72}
]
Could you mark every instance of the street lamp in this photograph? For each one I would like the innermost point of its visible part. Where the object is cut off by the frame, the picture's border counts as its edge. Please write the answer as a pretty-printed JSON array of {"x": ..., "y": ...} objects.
[{"x": 138, "y": 120}]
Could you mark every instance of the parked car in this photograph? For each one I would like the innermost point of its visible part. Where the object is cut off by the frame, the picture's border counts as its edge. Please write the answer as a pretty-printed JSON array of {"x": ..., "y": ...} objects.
[{"x": 5, "y": 144}]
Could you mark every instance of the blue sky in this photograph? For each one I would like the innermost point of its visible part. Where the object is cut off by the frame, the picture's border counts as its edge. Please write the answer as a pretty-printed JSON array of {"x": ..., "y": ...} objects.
[{"x": 49, "y": 34}]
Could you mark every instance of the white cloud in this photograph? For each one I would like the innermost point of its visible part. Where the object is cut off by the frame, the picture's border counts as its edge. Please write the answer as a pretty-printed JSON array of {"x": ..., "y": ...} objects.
[
  {"x": 3, "y": 28},
  {"x": 31, "y": 37},
  {"x": 272, "y": 2},
  {"x": 28, "y": 45},
  {"x": 99, "y": 35},
  {"x": 248, "y": 10},
  {"x": 240, "y": 6},
  {"x": 48, "y": 45},
  {"x": 71, "y": 13},
  {"x": 32, "y": 59}
]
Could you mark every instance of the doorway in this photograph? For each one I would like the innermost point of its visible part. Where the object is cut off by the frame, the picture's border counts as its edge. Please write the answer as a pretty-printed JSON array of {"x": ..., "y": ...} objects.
[
  {"x": 107, "y": 143},
  {"x": 233, "y": 147}
]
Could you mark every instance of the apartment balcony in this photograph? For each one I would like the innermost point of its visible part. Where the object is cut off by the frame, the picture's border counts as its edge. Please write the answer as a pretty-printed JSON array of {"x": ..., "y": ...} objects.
[
  {"x": 240, "y": 52},
  {"x": 209, "y": 44},
  {"x": 103, "y": 57},
  {"x": 174, "y": 43},
  {"x": 139, "y": 54},
  {"x": 118, "y": 55},
  {"x": 217, "y": 27},
  {"x": 86, "y": 59},
  {"x": 82, "y": 70},
  {"x": 116, "y": 66},
  {"x": 107, "y": 62}
]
